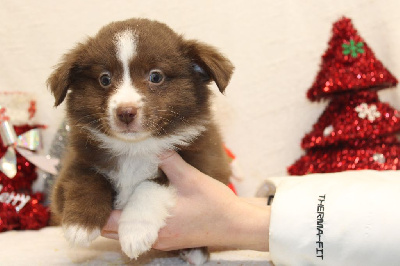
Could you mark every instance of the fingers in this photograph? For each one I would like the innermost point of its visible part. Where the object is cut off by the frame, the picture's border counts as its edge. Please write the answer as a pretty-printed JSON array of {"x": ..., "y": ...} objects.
[
  {"x": 176, "y": 168},
  {"x": 110, "y": 230}
]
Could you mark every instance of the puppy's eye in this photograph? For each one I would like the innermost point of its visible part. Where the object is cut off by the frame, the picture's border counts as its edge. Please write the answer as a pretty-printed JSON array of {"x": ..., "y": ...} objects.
[
  {"x": 156, "y": 77},
  {"x": 105, "y": 80}
]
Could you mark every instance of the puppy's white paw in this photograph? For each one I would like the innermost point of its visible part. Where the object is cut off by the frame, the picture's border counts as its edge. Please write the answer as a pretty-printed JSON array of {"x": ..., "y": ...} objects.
[
  {"x": 195, "y": 256},
  {"x": 137, "y": 236},
  {"x": 81, "y": 236},
  {"x": 143, "y": 216}
]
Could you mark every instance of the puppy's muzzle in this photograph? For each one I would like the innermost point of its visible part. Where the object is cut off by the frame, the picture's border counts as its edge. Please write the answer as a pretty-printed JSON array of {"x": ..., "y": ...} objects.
[{"x": 126, "y": 114}]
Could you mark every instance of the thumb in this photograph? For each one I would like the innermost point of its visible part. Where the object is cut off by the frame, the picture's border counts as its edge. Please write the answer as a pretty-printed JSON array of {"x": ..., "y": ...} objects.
[
  {"x": 110, "y": 230},
  {"x": 175, "y": 167}
]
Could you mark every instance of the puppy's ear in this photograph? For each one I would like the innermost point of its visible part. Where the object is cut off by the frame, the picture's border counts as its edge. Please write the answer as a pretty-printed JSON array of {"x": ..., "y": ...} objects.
[
  {"x": 209, "y": 63},
  {"x": 60, "y": 80}
]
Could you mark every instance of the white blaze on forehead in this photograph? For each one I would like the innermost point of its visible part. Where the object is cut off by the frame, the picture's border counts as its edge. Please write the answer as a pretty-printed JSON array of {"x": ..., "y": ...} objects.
[{"x": 126, "y": 47}]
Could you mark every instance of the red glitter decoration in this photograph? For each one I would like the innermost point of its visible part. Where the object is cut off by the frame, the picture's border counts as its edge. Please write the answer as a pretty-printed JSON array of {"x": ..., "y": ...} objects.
[
  {"x": 33, "y": 215},
  {"x": 356, "y": 131},
  {"x": 341, "y": 72},
  {"x": 343, "y": 158},
  {"x": 346, "y": 125}
]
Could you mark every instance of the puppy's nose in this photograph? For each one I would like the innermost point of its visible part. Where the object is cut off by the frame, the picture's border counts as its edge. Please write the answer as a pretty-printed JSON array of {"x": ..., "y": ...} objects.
[{"x": 126, "y": 114}]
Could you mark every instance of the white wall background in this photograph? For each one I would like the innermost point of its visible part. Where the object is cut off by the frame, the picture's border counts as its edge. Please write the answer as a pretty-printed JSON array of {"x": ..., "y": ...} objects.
[{"x": 275, "y": 45}]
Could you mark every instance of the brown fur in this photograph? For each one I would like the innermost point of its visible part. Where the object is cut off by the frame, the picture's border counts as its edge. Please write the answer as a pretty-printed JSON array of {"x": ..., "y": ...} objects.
[{"x": 82, "y": 194}]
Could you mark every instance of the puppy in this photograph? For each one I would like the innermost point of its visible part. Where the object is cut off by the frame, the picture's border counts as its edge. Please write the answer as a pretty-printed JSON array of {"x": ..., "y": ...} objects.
[{"x": 134, "y": 90}]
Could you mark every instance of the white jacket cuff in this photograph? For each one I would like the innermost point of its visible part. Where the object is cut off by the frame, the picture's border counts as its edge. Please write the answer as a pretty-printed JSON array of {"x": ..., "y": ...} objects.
[{"x": 347, "y": 218}]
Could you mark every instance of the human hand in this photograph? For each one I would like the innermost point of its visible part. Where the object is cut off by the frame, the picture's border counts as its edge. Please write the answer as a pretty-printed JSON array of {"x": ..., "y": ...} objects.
[
  {"x": 200, "y": 210},
  {"x": 207, "y": 213}
]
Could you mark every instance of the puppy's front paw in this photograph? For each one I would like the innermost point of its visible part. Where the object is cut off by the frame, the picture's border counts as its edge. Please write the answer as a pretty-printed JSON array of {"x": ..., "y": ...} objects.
[
  {"x": 195, "y": 256},
  {"x": 142, "y": 218},
  {"x": 79, "y": 235},
  {"x": 137, "y": 236}
]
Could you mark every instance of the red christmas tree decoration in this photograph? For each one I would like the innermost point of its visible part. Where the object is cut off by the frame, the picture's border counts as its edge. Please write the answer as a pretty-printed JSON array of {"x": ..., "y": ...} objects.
[
  {"x": 19, "y": 207},
  {"x": 356, "y": 131},
  {"x": 377, "y": 155},
  {"x": 348, "y": 65},
  {"x": 350, "y": 117}
]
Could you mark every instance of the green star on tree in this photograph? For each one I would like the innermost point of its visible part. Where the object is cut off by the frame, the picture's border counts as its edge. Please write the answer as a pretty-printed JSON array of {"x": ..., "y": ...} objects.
[{"x": 353, "y": 48}]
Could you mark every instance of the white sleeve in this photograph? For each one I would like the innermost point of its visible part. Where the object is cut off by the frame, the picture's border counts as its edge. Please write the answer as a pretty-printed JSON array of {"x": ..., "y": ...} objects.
[{"x": 347, "y": 218}]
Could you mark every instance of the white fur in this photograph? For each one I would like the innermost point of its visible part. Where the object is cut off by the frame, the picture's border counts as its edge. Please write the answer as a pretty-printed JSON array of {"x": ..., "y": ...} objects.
[
  {"x": 148, "y": 144},
  {"x": 138, "y": 161},
  {"x": 143, "y": 216},
  {"x": 145, "y": 205},
  {"x": 126, "y": 44},
  {"x": 195, "y": 256},
  {"x": 77, "y": 235}
]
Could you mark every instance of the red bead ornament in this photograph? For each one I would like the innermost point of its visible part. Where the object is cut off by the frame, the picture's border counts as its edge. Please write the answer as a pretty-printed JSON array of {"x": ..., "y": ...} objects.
[{"x": 348, "y": 65}]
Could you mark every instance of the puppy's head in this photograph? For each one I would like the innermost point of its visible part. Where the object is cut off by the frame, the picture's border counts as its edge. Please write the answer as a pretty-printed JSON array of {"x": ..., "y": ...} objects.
[{"x": 138, "y": 78}]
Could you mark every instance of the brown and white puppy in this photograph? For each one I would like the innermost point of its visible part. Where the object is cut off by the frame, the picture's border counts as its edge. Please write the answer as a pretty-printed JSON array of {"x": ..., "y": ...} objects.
[{"x": 134, "y": 90}]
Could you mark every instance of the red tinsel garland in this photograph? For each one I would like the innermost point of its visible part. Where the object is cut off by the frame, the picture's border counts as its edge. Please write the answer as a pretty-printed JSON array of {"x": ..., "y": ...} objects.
[{"x": 32, "y": 215}]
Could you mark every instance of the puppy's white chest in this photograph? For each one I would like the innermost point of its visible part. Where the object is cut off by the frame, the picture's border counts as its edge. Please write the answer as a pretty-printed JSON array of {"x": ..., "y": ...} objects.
[
  {"x": 138, "y": 161},
  {"x": 131, "y": 171}
]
